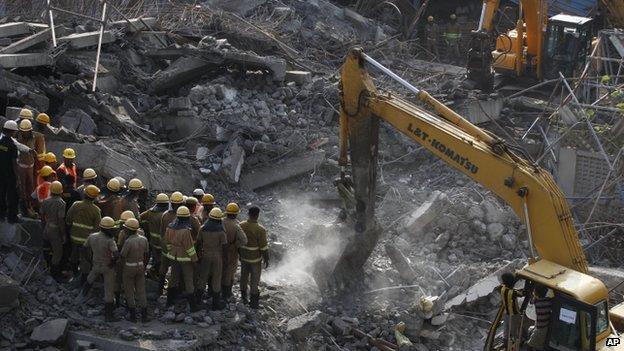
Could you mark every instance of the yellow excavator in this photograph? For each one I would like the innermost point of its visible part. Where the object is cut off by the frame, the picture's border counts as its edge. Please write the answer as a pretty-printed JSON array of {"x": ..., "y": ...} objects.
[
  {"x": 581, "y": 318},
  {"x": 538, "y": 47}
]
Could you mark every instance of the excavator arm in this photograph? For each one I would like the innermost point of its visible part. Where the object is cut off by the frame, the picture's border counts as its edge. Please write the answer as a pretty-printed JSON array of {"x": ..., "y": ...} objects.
[{"x": 528, "y": 189}]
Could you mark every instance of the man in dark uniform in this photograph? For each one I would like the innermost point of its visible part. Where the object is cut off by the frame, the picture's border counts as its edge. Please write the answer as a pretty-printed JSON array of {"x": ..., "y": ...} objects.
[{"x": 8, "y": 173}]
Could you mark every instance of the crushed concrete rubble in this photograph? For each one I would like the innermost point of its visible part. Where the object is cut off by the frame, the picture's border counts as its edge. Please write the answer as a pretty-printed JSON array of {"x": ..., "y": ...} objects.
[{"x": 241, "y": 99}]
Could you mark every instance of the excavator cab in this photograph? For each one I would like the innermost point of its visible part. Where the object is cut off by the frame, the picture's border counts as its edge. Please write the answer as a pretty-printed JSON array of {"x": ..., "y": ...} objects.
[
  {"x": 579, "y": 317},
  {"x": 567, "y": 45}
]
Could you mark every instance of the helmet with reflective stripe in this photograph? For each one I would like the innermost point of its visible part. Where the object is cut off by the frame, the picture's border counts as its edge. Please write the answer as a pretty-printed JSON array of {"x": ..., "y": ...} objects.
[
  {"x": 232, "y": 208},
  {"x": 113, "y": 185},
  {"x": 162, "y": 198},
  {"x": 131, "y": 224},
  {"x": 26, "y": 114},
  {"x": 177, "y": 198},
  {"x": 25, "y": 125},
  {"x": 216, "y": 213},
  {"x": 46, "y": 171},
  {"x": 89, "y": 173},
  {"x": 183, "y": 211},
  {"x": 126, "y": 215},
  {"x": 56, "y": 188},
  {"x": 92, "y": 191},
  {"x": 43, "y": 118},
  {"x": 69, "y": 153},
  {"x": 135, "y": 184},
  {"x": 208, "y": 199},
  {"x": 107, "y": 223}
]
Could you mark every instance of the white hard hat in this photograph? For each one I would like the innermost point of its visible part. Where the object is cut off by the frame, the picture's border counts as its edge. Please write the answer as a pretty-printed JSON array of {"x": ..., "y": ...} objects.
[
  {"x": 198, "y": 192},
  {"x": 10, "y": 125}
]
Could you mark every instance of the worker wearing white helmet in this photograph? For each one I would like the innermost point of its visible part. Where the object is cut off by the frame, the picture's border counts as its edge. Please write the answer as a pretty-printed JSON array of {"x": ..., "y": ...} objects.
[{"x": 8, "y": 172}]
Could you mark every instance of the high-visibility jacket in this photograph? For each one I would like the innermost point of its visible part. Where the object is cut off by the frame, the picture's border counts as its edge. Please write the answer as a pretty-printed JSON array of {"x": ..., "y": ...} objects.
[
  {"x": 153, "y": 218},
  {"x": 180, "y": 245},
  {"x": 64, "y": 170},
  {"x": 83, "y": 218},
  {"x": 236, "y": 237},
  {"x": 256, "y": 242},
  {"x": 43, "y": 191},
  {"x": 508, "y": 297}
]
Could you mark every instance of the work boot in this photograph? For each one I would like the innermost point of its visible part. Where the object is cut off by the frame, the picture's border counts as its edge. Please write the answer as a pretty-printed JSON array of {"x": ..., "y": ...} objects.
[
  {"x": 224, "y": 293},
  {"x": 244, "y": 296},
  {"x": 84, "y": 292},
  {"x": 108, "y": 312},
  {"x": 254, "y": 301},
  {"x": 191, "y": 301},
  {"x": 217, "y": 303},
  {"x": 171, "y": 295},
  {"x": 132, "y": 318},
  {"x": 117, "y": 299},
  {"x": 161, "y": 286},
  {"x": 144, "y": 316},
  {"x": 199, "y": 297},
  {"x": 55, "y": 272},
  {"x": 78, "y": 281}
]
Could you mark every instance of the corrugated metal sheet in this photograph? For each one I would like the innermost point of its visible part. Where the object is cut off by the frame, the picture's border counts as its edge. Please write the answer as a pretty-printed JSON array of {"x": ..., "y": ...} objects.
[{"x": 570, "y": 7}]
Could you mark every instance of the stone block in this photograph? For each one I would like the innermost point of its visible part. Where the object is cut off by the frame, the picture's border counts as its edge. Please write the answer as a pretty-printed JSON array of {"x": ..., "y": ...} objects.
[
  {"x": 288, "y": 168},
  {"x": 426, "y": 213},
  {"x": 83, "y": 40},
  {"x": 9, "y": 293},
  {"x": 305, "y": 325},
  {"x": 51, "y": 332},
  {"x": 180, "y": 103},
  {"x": 299, "y": 77},
  {"x": 79, "y": 122},
  {"x": 24, "y": 60}
]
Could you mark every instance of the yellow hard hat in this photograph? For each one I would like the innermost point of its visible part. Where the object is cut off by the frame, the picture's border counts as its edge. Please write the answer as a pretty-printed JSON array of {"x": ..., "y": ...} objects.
[
  {"x": 113, "y": 185},
  {"x": 89, "y": 173},
  {"x": 25, "y": 125},
  {"x": 126, "y": 215},
  {"x": 208, "y": 199},
  {"x": 26, "y": 114},
  {"x": 43, "y": 118},
  {"x": 56, "y": 188},
  {"x": 453, "y": 16},
  {"x": 92, "y": 191},
  {"x": 216, "y": 213},
  {"x": 69, "y": 153},
  {"x": 183, "y": 211},
  {"x": 177, "y": 198},
  {"x": 162, "y": 198},
  {"x": 107, "y": 223},
  {"x": 131, "y": 223},
  {"x": 50, "y": 157},
  {"x": 430, "y": 18},
  {"x": 135, "y": 184},
  {"x": 232, "y": 208},
  {"x": 191, "y": 200},
  {"x": 46, "y": 171}
]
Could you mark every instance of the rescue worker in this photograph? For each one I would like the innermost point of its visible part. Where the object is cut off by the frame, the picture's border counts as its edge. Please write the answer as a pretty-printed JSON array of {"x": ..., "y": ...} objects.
[
  {"x": 104, "y": 252},
  {"x": 68, "y": 167},
  {"x": 25, "y": 114},
  {"x": 199, "y": 209},
  {"x": 70, "y": 195},
  {"x": 236, "y": 239},
  {"x": 251, "y": 256},
  {"x": 191, "y": 202},
  {"x": 150, "y": 220},
  {"x": 212, "y": 243},
  {"x": 107, "y": 201},
  {"x": 8, "y": 173},
  {"x": 82, "y": 219},
  {"x": 26, "y": 162},
  {"x": 176, "y": 200},
  {"x": 452, "y": 37},
  {"x": 49, "y": 160},
  {"x": 89, "y": 177},
  {"x": 120, "y": 238},
  {"x": 134, "y": 253},
  {"x": 42, "y": 191},
  {"x": 510, "y": 306},
  {"x": 432, "y": 32},
  {"x": 181, "y": 249},
  {"x": 208, "y": 203},
  {"x": 52, "y": 214},
  {"x": 543, "y": 311},
  {"x": 39, "y": 135},
  {"x": 129, "y": 201}
]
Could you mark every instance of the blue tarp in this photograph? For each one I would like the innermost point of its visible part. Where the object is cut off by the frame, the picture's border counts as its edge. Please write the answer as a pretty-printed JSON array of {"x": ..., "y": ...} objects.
[{"x": 569, "y": 7}]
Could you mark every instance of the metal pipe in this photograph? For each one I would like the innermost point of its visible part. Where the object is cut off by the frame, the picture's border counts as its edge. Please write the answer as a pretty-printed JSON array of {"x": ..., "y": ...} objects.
[
  {"x": 528, "y": 225},
  {"x": 393, "y": 75},
  {"x": 75, "y": 13},
  {"x": 99, "y": 49},
  {"x": 483, "y": 9},
  {"x": 52, "y": 24}
]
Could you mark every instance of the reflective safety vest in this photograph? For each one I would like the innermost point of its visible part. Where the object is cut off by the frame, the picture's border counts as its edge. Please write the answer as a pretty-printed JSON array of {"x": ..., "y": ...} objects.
[
  {"x": 508, "y": 297},
  {"x": 153, "y": 220},
  {"x": 83, "y": 218},
  {"x": 180, "y": 245},
  {"x": 256, "y": 242},
  {"x": 72, "y": 171}
]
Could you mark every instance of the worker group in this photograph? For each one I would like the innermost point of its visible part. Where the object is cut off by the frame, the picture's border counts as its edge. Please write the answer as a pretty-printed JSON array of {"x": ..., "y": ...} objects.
[{"x": 111, "y": 233}]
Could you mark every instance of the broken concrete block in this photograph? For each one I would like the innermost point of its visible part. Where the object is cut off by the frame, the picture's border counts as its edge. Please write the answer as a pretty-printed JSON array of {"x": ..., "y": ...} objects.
[
  {"x": 481, "y": 111},
  {"x": 25, "y": 60},
  {"x": 29, "y": 42},
  {"x": 495, "y": 231},
  {"x": 83, "y": 40},
  {"x": 400, "y": 262},
  {"x": 79, "y": 122},
  {"x": 426, "y": 213},
  {"x": 9, "y": 234},
  {"x": 9, "y": 293},
  {"x": 493, "y": 212},
  {"x": 13, "y": 29},
  {"x": 276, "y": 65},
  {"x": 439, "y": 319},
  {"x": 51, "y": 332},
  {"x": 508, "y": 241},
  {"x": 179, "y": 72},
  {"x": 476, "y": 212},
  {"x": 283, "y": 170},
  {"x": 241, "y": 7},
  {"x": 305, "y": 325},
  {"x": 12, "y": 112},
  {"x": 340, "y": 327},
  {"x": 22, "y": 89},
  {"x": 226, "y": 93},
  {"x": 107, "y": 83},
  {"x": 299, "y": 77},
  {"x": 143, "y": 23},
  {"x": 234, "y": 157},
  {"x": 179, "y": 103}
]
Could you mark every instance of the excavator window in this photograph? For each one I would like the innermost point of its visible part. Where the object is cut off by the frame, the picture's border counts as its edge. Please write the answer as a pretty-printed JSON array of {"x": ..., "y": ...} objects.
[
  {"x": 573, "y": 325},
  {"x": 567, "y": 46}
]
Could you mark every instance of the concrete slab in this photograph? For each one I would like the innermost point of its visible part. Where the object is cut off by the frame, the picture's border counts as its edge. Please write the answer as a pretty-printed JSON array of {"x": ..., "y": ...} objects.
[
  {"x": 22, "y": 90},
  {"x": 299, "y": 77},
  {"x": 179, "y": 72},
  {"x": 14, "y": 28},
  {"x": 136, "y": 22},
  {"x": 83, "y": 40},
  {"x": 28, "y": 42},
  {"x": 9, "y": 293},
  {"x": 283, "y": 170},
  {"x": 24, "y": 60},
  {"x": 477, "y": 111},
  {"x": 106, "y": 343}
]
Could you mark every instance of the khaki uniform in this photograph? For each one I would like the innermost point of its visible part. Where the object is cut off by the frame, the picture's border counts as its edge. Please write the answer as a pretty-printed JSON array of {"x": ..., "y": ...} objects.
[
  {"x": 52, "y": 211},
  {"x": 104, "y": 250},
  {"x": 251, "y": 255},
  {"x": 432, "y": 31},
  {"x": 107, "y": 205},
  {"x": 25, "y": 166},
  {"x": 236, "y": 238},
  {"x": 40, "y": 148},
  {"x": 181, "y": 251},
  {"x": 153, "y": 219},
  {"x": 125, "y": 203},
  {"x": 133, "y": 253},
  {"x": 167, "y": 218},
  {"x": 211, "y": 241},
  {"x": 83, "y": 218},
  {"x": 452, "y": 37}
]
